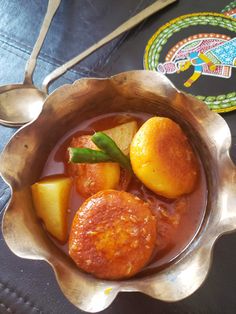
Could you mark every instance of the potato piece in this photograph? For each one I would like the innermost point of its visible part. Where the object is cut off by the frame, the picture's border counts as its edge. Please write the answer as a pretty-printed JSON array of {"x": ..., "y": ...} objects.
[
  {"x": 123, "y": 134},
  {"x": 97, "y": 177},
  {"x": 163, "y": 159},
  {"x": 92, "y": 178},
  {"x": 51, "y": 197}
]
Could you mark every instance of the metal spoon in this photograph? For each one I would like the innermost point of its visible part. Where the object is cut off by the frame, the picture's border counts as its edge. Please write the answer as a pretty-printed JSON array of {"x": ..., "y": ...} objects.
[
  {"x": 21, "y": 103},
  {"x": 32, "y": 102}
]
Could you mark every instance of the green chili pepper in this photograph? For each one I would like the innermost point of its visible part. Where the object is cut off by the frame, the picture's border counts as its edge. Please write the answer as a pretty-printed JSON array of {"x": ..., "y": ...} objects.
[
  {"x": 105, "y": 143},
  {"x": 87, "y": 155}
]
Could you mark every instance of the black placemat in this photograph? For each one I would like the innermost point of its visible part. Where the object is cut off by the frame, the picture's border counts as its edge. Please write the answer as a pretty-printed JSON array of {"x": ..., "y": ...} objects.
[{"x": 30, "y": 286}]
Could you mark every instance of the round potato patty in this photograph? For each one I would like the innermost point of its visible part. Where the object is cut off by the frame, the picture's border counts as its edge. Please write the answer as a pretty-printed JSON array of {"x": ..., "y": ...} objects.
[{"x": 113, "y": 235}]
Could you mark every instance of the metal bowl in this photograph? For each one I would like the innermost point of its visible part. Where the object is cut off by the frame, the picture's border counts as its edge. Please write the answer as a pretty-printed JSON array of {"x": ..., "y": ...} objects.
[{"x": 23, "y": 159}]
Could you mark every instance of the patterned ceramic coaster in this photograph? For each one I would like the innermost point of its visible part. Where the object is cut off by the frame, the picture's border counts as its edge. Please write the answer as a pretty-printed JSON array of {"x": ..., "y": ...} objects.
[
  {"x": 199, "y": 52},
  {"x": 229, "y": 7},
  {"x": 231, "y": 13}
]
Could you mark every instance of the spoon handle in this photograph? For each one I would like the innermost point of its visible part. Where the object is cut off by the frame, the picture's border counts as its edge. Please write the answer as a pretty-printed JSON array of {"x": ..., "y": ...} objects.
[
  {"x": 31, "y": 63},
  {"x": 133, "y": 21}
]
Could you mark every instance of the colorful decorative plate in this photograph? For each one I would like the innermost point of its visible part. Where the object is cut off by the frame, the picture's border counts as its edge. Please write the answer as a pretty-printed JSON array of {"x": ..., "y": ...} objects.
[
  {"x": 229, "y": 7},
  {"x": 198, "y": 53}
]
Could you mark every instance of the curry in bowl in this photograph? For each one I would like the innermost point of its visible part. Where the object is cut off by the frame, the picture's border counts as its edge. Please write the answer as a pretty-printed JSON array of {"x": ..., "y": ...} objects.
[
  {"x": 161, "y": 244},
  {"x": 122, "y": 193}
]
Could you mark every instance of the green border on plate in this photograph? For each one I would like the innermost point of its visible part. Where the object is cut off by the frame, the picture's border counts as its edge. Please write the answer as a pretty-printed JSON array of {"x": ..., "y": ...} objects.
[
  {"x": 229, "y": 7},
  {"x": 220, "y": 103}
]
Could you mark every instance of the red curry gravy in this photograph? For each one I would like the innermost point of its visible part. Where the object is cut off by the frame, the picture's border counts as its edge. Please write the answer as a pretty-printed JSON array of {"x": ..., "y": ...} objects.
[{"x": 178, "y": 220}]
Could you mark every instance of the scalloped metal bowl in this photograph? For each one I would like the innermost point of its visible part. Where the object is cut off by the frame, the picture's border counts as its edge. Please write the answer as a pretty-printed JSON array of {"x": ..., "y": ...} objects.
[{"x": 23, "y": 158}]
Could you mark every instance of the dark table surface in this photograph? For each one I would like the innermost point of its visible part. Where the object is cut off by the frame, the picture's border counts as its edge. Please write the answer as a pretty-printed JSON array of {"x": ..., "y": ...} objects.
[{"x": 30, "y": 286}]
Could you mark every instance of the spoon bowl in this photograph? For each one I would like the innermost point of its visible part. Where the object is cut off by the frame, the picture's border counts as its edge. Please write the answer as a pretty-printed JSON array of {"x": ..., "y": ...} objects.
[{"x": 20, "y": 103}]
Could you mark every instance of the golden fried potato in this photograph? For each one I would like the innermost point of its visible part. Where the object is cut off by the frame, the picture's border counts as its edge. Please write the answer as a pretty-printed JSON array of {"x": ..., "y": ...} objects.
[
  {"x": 113, "y": 235},
  {"x": 92, "y": 178},
  {"x": 51, "y": 200},
  {"x": 163, "y": 159}
]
